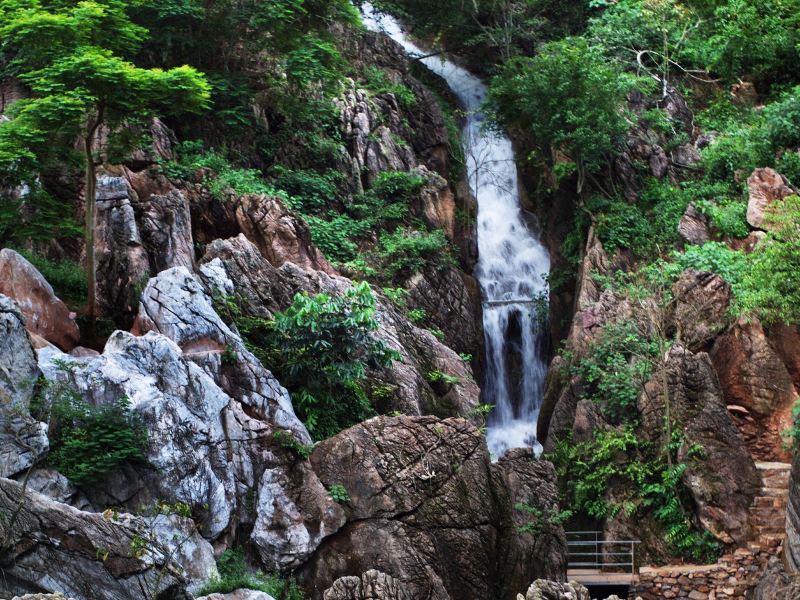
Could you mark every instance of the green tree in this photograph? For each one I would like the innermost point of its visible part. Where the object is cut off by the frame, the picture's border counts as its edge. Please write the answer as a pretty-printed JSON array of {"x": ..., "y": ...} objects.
[
  {"x": 80, "y": 87},
  {"x": 565, "y": 99}
]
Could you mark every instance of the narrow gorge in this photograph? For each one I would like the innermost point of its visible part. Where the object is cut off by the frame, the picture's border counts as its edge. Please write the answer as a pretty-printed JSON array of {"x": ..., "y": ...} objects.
[{"x": 399, "y": 300}]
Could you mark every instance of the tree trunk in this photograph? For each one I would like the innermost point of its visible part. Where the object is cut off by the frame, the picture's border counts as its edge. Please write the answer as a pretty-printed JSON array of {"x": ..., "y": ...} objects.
[{"x": 90, "y": 196}]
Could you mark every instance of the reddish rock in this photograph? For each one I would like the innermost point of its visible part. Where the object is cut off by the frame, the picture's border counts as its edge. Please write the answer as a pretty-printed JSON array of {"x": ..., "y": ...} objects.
[
  {"x": 45, "y": 315},
  {"x": 765, "y": 187},
  {"x": 278, "y": 234}
]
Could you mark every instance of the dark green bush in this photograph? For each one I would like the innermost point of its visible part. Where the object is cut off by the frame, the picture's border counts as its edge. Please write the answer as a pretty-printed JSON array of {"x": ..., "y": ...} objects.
[
  {"x": 234, "y": 574},
  {"x": 88, "y": 442},
  {"x": 404, "y": 253}
]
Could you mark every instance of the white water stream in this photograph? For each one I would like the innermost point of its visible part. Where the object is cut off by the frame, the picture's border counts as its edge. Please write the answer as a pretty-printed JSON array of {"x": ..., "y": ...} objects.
[{"x": 512, "y": 263}]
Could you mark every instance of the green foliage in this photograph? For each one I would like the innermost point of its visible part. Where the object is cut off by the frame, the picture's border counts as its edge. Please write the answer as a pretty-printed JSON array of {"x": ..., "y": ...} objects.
[
  {"x": 729, "y": 217},
  {"x": 337, "y": 235},
  {"x": 378, "y": 82},
  {"x": 404, "y": 252},
  {"x": 35, "y": 215},
  {"x": 221, "y": 177},
  {"x": 615, "y": 369},
  {"x": 770, "y": 286},
  {"x": 436, "y": 376},
  {"x": 320, "y": 348},
  {"x": 791, "y": 435},
  {"x": 566, "y": 98},
  {"x": 234, "y": 574},
  {"x": 586, "y": 471},
  {"x": 541, "y": 520},
  {"x": 289, "y": 442},
  {"x": 311, "y": 191},
  {"x": 88, "y": 442},
  {"x": 338, "y": 493}
]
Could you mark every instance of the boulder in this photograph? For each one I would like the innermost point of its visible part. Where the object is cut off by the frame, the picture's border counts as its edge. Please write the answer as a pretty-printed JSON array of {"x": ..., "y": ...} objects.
[
  {"x": 702, "y": 301},
  {"x": 45, "y": 315},
  {"x": 542, "y": 589},
  {"x": 280, "y": 235},
  {"x": 123, "y": 264},
  {"x": 777, "y": 582},
  {"x": 211, "y": 429},
  {"x": 754, "y": 376},
  {"x": 23, "y": 440},
  {"x": 166, "y": 230},
  {"x": 175, "y": 304},
  {"x": 51, "y": 546},
  {"x": 240, "y": 594},
  {"x": 765, "y": 187},
  {"x": 693, "y": 226},
  {"x": 372, "y": 147},
  {"x": 234, "y": 266},
  {"x": 451, "y": 300},
  {"x": 724, "y": 481},
  {"x": 429, "y": 510},
  {"x": 372, "y": 585}
]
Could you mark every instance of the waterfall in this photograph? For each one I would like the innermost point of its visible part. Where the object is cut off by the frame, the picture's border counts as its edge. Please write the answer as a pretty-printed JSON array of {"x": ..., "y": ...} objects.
[{"x": 512, "y": 263}]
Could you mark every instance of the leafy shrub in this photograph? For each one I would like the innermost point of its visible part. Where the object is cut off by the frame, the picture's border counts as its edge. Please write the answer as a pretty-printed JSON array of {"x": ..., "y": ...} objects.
[
  {"x": 618, "y": 364},
  {"x": 729, "y": 217},
  {"x": 320, "y": 348},
  {"x": 407, "y": 252},
  {"x": 337, "y": 236},
  {"x": 769, "y": 288},
  {"x": 339, "y": 493},
  {"x": 377, "y": 81},
  {"x": 587, "y": 469},
  {"x": 311, "y": 191},
  {"x": 224, "y": 178},
  {"x": 288, "y": 441},
  {"x": 234, "y": 574},
  {"x": 89, "y": 442}
]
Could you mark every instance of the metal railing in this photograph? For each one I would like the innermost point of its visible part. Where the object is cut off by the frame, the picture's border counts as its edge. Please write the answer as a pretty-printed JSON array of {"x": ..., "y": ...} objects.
[{"x": 587, "y": 550}]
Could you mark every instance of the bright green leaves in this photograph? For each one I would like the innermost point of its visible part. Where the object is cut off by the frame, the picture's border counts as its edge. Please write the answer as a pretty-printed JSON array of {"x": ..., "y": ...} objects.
[
  {"x": 566, "y": 99},
  {"x": 321, "y": 348}
]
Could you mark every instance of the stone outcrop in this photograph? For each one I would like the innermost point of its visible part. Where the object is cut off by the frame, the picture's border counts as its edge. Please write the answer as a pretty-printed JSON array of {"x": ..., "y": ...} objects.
[
  {"x": 765, "y": 187},
  {"x": 123, "y": 265},
  {"x": 23, "y": 440},
  {"x": 241, "y": 594},
  {"x": 702, "y": 301},
  {"x": 776, "y": 582},
  {"x": 372, "y": 585},
  {"x": 724, "y": 481},
  {"x": 792, "y": 544},
  {"x": 754, "y": 377},
  {"x": 211, "y": 426},
  {"x": 234, "y": 266},
  {"x": 693, "y": 226},
  {"x": 49, "y": 546},
  {"x": 542, "y": 589},
  {"x": 45, "y": 315},
  {"x": 428, "y": 509}
]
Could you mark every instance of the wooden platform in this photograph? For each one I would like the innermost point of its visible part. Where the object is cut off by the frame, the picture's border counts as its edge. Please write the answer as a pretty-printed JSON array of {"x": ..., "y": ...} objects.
[{"x": 597, "y": 577}]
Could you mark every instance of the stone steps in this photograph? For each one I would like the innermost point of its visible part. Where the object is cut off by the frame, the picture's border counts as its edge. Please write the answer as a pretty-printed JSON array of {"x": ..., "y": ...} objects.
[{"x": 768, "y": 510}]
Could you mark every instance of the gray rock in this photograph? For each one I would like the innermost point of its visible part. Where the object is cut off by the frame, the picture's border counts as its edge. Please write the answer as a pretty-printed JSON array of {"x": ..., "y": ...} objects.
[
  {"x": 542, "y": 589},
  {"x": 22, "y": 439},
  {"x": 693, "y": 226},
  {"x": 166, "y": 230},
  {"x": 92, "y": 556},
  {"x": 792, "y": 544},
  {"x": 241, "y": 594},
  {"x": 123, "y": 264},
  {"x": 702, "y": 301},
  {"x": 372, "y": 585}
]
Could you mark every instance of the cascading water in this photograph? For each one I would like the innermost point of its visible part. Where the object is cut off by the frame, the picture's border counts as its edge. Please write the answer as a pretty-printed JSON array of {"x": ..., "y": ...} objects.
[{"x": 512, "y": 263}]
